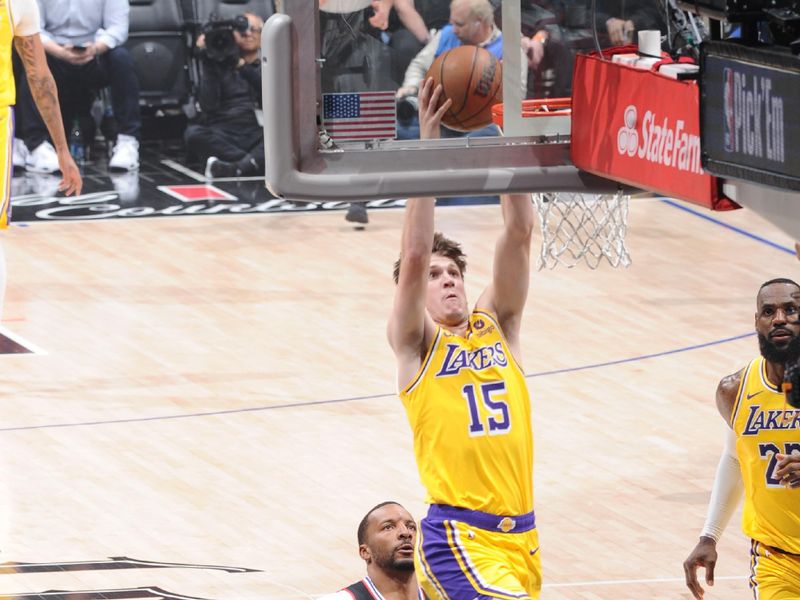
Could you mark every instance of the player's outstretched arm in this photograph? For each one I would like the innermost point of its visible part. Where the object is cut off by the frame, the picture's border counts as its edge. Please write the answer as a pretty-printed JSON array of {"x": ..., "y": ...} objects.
[
  {"x": 725, "y": 495},
  {"x": 408, "y": 319},
  {"x": 508, "y": 291},
  {"x": 409, "y": 324},
  {"x": 45, "y": 94}
]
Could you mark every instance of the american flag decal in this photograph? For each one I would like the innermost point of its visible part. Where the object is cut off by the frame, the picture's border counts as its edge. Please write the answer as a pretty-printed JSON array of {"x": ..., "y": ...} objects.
[{"x": 360, "y": 116}]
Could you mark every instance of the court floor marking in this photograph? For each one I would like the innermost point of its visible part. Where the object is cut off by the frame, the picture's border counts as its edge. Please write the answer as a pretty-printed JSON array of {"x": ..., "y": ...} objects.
[
  {"x": 168, "y": 162},
  {"x": 636, "y": 581},
  {"x": 34, "y": 349},
  {"x": 610, "y": 582},
  {"x": 367, "y": 397},
  {"x": 733, "y": 228}
]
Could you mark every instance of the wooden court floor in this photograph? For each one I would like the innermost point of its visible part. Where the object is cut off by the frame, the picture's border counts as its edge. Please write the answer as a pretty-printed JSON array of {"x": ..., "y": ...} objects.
[{"x": 215, "y": 395}]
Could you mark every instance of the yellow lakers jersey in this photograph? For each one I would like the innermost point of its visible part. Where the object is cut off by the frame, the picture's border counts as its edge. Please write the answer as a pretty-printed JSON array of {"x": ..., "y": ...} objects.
[
  {"x": 470, "y": 412},
  {"x": 766, "y": 425},
  {"x": 7, "y": 90}
]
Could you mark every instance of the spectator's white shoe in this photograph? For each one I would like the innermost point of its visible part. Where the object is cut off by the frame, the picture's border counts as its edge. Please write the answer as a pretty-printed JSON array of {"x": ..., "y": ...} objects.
[
  {"x": 43, "y": 159},
  {"x": 45, "y": 186},
  {"x": 19, "y": 154},
  {"x": 125, "y": 156},
  {"x": 126, "y": 185}
]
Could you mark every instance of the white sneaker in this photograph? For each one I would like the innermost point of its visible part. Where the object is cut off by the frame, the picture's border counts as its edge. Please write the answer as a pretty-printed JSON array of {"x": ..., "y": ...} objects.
[
  {"x": 45, "y": 186},
  {"x": 126, "y": 185},
  {"x": 43, "y": 159},
  {"x": 125, "y": 156},
  {"x": 19, "y": 154}
]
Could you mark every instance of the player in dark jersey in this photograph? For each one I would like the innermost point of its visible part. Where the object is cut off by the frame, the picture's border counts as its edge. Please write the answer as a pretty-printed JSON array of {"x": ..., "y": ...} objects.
[{"x": 386, "y": 538}]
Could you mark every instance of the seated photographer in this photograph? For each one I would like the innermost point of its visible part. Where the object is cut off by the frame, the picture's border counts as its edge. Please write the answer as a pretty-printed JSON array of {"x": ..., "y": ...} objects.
[
  {"x": 84, "y": 41},
  {"x": 226, "y": 133}
]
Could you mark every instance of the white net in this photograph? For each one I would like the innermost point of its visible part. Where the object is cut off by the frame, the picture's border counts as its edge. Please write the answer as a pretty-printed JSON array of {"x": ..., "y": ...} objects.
[{"x": 585, "y": 227}]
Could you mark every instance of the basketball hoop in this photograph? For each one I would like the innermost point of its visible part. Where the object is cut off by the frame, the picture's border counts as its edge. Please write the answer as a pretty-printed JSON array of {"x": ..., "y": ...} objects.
[{"x": 576, "y": 226}]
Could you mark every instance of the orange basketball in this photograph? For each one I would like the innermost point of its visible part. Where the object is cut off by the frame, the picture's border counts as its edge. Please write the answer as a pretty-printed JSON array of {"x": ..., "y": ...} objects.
[{"x": 472, "y": 77}]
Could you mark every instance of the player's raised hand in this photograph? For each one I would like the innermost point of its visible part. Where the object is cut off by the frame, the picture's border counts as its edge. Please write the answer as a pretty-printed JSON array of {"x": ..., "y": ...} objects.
[
  {"x": 430, "y": 117},
  {"x": 704, "y": 555}
]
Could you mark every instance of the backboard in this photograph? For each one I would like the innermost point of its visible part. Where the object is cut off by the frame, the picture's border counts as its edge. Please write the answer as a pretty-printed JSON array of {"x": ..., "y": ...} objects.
[{"x": 533, "y": 155}]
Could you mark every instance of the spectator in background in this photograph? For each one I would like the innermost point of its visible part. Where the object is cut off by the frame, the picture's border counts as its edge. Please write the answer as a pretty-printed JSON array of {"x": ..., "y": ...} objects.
[
  {"x": 621, "y": 19},
  {"x": 403, "y": 30},
  {"x": 354, "y": 59},
  {"x": 552, "y": 32},
  {"x": 227, "y": 133},
  {"x": 435, "y": 13},
  {"x": 471, "y": 23},
  {"x": 83, "y": 41}
]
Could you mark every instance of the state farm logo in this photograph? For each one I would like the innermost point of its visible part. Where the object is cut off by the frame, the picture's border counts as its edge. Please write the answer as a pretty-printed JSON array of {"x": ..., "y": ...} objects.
[
  {"x": 628, "y": 138},
  {"x": 659, "y": 141}
]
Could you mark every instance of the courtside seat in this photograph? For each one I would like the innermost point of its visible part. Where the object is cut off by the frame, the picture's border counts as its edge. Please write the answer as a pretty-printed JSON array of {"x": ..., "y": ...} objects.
[
  {"x": 227, "y": 9},
  {"x": 159, "y": 44}
]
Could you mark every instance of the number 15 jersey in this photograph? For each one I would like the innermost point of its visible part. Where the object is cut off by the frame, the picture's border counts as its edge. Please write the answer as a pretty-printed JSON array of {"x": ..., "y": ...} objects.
[{"x": 469, "y": 410}]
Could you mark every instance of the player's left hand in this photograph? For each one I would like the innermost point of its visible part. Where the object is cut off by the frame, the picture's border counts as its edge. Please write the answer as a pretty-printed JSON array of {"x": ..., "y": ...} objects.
[
  {"x": 429, "y": 115},
  {"x": 788, "y": 469},
  {"x": 71, "y": 182}
]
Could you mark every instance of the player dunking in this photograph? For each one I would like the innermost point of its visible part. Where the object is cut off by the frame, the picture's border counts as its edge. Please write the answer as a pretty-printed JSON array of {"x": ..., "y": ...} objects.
[
  {"x": 761, "y": 456},
  {"x": 463, "y": 388}
]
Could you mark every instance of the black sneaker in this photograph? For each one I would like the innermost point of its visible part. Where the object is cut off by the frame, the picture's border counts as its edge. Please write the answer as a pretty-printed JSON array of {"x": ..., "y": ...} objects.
[
  {"x": 357, "y": 213},
  {"x": 248, "y": 167},
  {"x": 216, "y": 168}
]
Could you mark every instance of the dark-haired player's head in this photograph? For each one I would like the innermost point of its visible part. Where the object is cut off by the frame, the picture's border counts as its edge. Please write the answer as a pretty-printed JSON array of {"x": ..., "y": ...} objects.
[
  {"x": 778, "y": 320},
  {"x": 386, "y": 538}
]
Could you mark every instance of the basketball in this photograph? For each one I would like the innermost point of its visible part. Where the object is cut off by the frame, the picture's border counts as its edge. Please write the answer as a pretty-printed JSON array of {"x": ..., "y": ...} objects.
[{"x": 472, "y": 77}]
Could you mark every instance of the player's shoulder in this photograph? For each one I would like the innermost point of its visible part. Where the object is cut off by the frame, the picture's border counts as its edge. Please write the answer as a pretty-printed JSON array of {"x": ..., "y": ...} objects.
[
  {"x": 727, "y": 389},
  {"x": 25, "y": 16},
  {"x": 730, "y": 383}
]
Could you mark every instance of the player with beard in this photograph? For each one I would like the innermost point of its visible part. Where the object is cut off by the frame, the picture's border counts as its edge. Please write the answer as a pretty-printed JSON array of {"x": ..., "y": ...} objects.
[
  {"x": 386, "y": 538},
  {"x": 761, "y": 456}
]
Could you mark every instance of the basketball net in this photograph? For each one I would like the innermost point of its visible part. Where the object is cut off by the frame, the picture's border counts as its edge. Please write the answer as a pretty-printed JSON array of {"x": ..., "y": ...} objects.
[{"x": 586, "y": 227}]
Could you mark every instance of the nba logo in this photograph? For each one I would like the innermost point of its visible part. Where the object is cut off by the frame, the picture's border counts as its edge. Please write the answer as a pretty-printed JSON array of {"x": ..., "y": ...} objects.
[{"x": 727, "y": 110}]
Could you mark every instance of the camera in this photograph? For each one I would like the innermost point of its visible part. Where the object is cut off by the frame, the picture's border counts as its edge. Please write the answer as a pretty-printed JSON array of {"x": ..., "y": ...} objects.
[
  {"x": 220, "y": 44},
  {"x": 784, "y": 24},
  {"x": 791, "y": 384}
]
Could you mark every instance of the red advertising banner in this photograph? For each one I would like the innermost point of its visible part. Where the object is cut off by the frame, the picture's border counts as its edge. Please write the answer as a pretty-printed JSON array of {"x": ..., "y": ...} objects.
[{"x": 641, "y": 128}]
